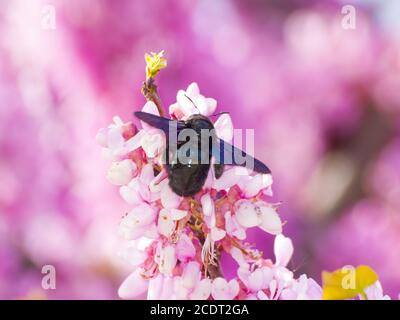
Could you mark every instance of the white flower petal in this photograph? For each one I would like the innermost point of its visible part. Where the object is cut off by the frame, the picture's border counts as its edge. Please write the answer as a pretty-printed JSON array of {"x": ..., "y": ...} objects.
[
  {"x": 136, "y": 141},
  {"x": 217, "y": 234},
  {"x": 283, "y": 250},
  {"x": 155, "y": 287},
  {"x": 169, "y": 199},
  {"x": 177, "y": 214},
  {"x": 165, "y": 224},
  {"x": 167, "y": 260},
  {"x": 207, "y": 204},
  {"x": 185, "y": 249},
  {"x": 270, "y": 220},
  {"x": 130, "y": 193},
  {"x": 120, "y": 173},
  {"x": 224, "y": 127},
  {"x": 246, "y": 214},
  {"x": 149, "y": 107},
  {"x": 202, "y": 290},
  {"x": 191, "y": 275},
  {"x": 133, "y": 286},
  {"x": 193, "y": 90},
  {"x": 115, "y": 140}
]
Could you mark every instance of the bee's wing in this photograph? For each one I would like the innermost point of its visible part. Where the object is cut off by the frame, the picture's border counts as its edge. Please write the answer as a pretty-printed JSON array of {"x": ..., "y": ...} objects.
[
  {"x": 225, "y": 153},
  {"x": 159, "y": 122}
]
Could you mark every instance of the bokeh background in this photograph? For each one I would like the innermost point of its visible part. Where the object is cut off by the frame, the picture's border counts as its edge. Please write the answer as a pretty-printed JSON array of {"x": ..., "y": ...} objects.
[{"x": 324, "y": 101}]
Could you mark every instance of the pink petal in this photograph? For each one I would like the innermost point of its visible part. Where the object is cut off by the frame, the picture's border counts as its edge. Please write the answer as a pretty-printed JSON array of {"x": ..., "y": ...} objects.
[
  {"x": 219, "y": 289},
  {"x": 234, "y": 288},
  {"x": 114, "y": 138},
  {"x": 155, "y": 287},
  {"x": 202, "y": 290},
  {"x": 136, "y": 141},
  {"x": 144, "y": 214},
  {"x": 101, "y": 137},
  {"x": 222, "y": 290},
  {"x": 169, "y": 199},
  {"x": 193, "y": 90},
  {"x": 153, "y": 144},
  {"x": 121, "y": 172},
  {"x": 268, "y": 275},
  {"x": 211, "y": 106},
  {"x": 246, "y": 214},
  {"x": 181, "y": 292},
  {"x": 217, "y": 234},
  {"x": 167, "y": 289},
  {"x": 130, "y": 193},
  {"x": 270, "y": 221},
  {"x": 255, "y": 280},
  {"x": 238, "y": 255},
  {"x": 207, "y": 205},
  {"x": 177, "y": 214},
  {"x": 167, "y": 260},
  {"x": 175, "y": 111},
  {"x": 233, "y": 228},
  {"x": 133, "y": 286},
  {"x": 185, "y": 249},
  {"x": 230, "y": 178},
  {"x": 191, "y": 275},
  {"x": 165, "y": 224},
  {"x": 155, "y": 184},
  {"x": 224, "y": 127},
  {"x": 187, "y": 107},
  {"x": 147, "y": 174},
  {"x": 283, "y": 250},
  {"x": 149, "y": 107}
]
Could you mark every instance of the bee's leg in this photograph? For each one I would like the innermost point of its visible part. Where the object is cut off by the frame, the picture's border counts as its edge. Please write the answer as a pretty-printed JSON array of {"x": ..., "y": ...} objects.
[{"x": 218, "y": 170}]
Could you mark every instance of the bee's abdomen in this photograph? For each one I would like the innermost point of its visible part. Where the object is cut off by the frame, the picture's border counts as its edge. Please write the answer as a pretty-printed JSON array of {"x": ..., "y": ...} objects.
[{"x": 187, "y": 181}]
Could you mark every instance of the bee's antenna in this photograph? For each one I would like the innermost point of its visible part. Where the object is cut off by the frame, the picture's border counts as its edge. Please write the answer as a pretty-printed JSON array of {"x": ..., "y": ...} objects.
[
  {"x": 218, "y": 114},
  {"x": 192, "y": 102}
]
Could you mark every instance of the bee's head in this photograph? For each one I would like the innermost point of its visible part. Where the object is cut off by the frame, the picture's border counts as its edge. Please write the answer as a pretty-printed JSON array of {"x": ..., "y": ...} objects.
[{"x": 198, "y": 122}]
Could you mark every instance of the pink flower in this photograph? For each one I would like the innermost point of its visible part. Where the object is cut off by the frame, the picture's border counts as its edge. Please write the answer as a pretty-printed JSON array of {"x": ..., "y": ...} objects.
[
  {"x": 190, "y": 285},
  {"x": 113, "y": 139},
  {"x": 166, "y": 259},
  {"x": 121, "y": 172},
  {"x": 167, "y": 220},
  {"x": 133, "y": 286},
  {"x": 185, "y": 250},
  {"x": 160, "y": 288},
  {"x": 257, "y": 280},
  {"x": 197, "y": 103},
  {"x": 138, "y": 221},
  {"x": 233, "y": 228},
  {"x": 249, "y": 214},
  {"x": 302, "y": 289},
  {"x": 224, "y": 290},
  {"x": 283, "y": 250}
]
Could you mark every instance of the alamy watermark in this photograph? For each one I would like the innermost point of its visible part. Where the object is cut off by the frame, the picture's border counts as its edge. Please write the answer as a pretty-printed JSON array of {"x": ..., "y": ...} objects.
[
  {"x": 49, "y": 17},
  {"x": 349, "y": 19},
  {"x": 189, "y": 147},
  {"x": 49, "y": 278}
]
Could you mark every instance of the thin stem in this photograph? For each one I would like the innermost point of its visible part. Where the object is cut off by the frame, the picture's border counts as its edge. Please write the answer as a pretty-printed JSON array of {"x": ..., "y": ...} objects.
[{"x": 149, "y": 90}]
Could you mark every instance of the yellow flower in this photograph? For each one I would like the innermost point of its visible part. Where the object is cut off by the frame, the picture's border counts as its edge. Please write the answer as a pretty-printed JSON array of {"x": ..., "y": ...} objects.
[
  {"x": 154, "y": 63},
  {"x": 347, "y": 282}
]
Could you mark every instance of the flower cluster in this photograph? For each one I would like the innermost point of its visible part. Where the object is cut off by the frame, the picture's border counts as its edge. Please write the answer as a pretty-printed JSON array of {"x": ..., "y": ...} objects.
[{"x": 175, "y": 243}]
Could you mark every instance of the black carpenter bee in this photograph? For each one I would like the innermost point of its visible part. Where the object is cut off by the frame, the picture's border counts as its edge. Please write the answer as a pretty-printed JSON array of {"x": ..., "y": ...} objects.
[{"x": 188, "y": 160}]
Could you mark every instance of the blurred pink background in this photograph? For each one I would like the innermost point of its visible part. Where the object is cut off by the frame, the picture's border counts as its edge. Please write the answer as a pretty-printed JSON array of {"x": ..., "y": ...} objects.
[{"x": 324, "y": 101}]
